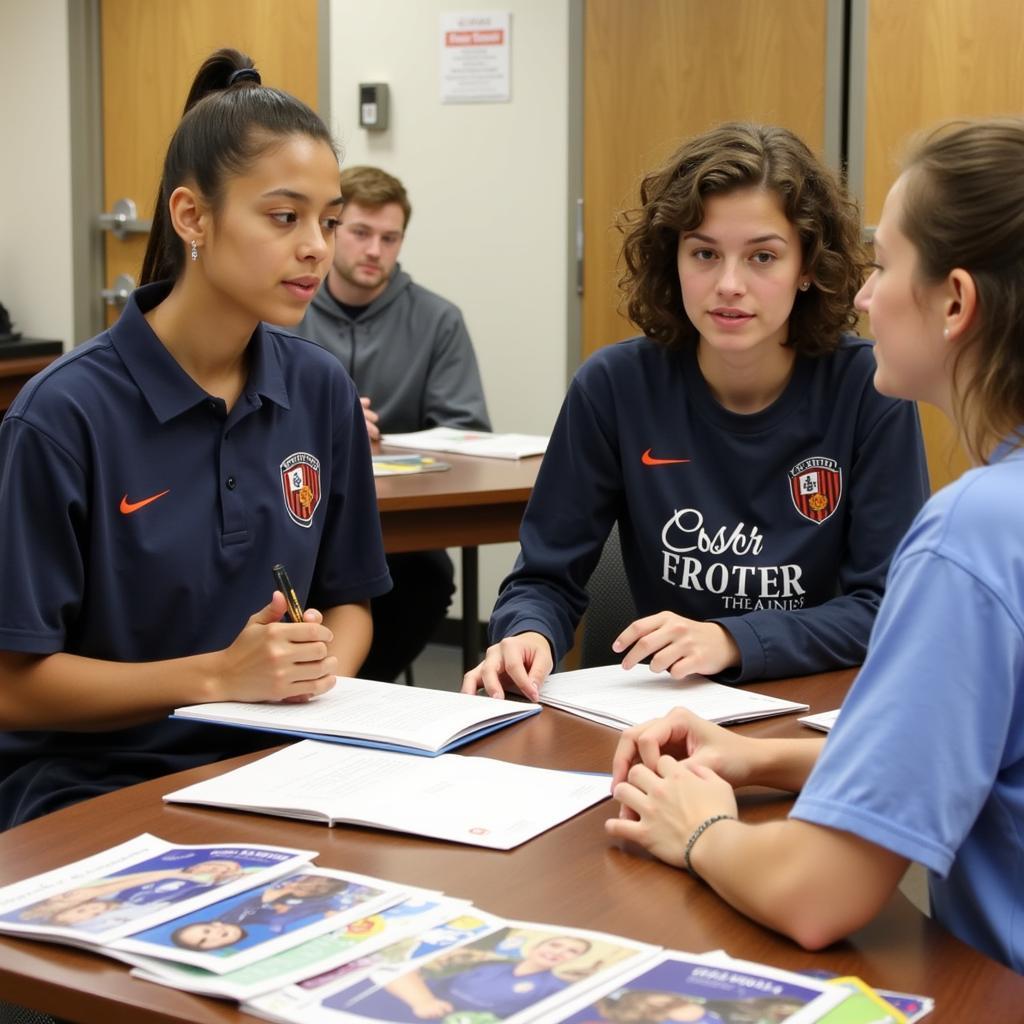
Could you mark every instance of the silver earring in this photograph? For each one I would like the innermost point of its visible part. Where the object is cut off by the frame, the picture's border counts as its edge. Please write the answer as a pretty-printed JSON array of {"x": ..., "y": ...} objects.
[
  {"x": 195, "y": 251},
  {"x": 945, "y": 333},
  {"x": 804, "y": 285}
]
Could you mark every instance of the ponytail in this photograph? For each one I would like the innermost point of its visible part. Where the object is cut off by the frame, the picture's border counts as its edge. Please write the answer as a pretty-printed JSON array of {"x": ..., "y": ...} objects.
[{"x": 229, "y": 119}]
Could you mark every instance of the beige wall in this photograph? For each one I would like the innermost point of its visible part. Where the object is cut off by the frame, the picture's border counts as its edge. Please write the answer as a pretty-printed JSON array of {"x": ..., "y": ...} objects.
[
  {"x": 488, "y": 184},
  {"x": 35, "y": 172}
]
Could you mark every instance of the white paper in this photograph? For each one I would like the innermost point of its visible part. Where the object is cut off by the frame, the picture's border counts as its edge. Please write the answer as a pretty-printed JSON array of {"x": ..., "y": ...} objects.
[
  {"x": 473, "y": 800},
  {"x": 362, "y": 709},
  {"x": 471, "y": 442},
  {"x": 622, "y": 697},
  {"x": 823, "y": 720},
  {"x": 475, "y": 48}
]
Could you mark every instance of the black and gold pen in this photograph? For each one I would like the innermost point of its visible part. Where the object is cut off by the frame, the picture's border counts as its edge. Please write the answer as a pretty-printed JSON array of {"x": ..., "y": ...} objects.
[{"x": 284, "y": 584}]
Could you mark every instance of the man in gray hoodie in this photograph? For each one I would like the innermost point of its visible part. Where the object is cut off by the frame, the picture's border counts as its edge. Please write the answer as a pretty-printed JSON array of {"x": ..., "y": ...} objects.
[{"x": 409, "y": 353}]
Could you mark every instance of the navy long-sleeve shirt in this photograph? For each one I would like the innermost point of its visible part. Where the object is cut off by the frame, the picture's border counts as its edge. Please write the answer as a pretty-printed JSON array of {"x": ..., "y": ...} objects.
[{"x": 778, "y": 525}]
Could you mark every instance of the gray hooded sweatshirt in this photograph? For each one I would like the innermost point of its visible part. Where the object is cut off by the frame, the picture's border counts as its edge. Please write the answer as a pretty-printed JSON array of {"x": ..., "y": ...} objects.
[{"x": 409, "y": 352}]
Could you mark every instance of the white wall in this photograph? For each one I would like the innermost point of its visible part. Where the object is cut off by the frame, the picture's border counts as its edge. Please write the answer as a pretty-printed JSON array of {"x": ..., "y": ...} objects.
[
  {"x": 35, "y": 171},
  {"x": 488, "y": 185}
]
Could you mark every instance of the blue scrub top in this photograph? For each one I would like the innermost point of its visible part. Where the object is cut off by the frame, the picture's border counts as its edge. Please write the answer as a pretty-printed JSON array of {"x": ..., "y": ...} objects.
[{"x": 141, "y": 519}]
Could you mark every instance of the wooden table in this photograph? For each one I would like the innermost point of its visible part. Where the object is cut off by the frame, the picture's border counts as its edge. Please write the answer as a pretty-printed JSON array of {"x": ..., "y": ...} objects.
[
  {"x": 478, "y": 501},
  {"x": 14, "y": 373},
  {"x": 573, "y": 875}
]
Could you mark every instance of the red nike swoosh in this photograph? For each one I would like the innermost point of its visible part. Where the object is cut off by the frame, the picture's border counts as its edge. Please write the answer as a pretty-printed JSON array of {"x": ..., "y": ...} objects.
[
  {"x": 128, "y": 507},
  {"x": 649, "y": 460}
]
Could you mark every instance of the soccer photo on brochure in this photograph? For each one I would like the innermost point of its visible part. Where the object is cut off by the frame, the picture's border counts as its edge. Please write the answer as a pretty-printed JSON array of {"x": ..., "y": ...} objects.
[
  {"x": 926, "y": 762},
  {"x": 328, "y": 954},
  {"x": 139, "y": 883},
  {"x": 758, "y": 480},
  {"x": 243, "y": 929},
  {"x": 510, "y": 974}
]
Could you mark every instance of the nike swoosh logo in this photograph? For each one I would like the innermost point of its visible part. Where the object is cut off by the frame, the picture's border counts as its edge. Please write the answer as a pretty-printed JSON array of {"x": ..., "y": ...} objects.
[
  {"x": 649, "y": 460},
  {"x": 128, "y": 507}
]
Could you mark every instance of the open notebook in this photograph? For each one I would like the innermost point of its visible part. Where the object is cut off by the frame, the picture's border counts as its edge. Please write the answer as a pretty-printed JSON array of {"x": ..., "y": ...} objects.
[
  {"x": 619, "y": 697},
  {"x": 474, "y": 800},
  {"x": 371, "y": 714}
]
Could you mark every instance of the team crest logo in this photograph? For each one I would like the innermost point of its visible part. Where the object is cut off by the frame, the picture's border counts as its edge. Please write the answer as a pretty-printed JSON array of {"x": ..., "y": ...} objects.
[
  {"x": 300, "y": 478},
  {"x": 816, "y": 486}
]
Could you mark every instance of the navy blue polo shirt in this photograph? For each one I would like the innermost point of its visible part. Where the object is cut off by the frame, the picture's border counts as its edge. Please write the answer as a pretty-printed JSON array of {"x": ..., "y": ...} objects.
[{"x": 140, "y": 520}]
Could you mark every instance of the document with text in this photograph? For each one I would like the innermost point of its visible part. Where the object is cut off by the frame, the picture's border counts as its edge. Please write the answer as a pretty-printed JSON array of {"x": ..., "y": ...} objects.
[
  {"x": 363, "y": 712},
  {"x": 621, "y": 697},
  {"x": 471, "y": 442},
  {"x": 474, "y": 800}
]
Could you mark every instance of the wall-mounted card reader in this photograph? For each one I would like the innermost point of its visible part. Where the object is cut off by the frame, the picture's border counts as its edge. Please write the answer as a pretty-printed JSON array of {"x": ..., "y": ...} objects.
[{"x": 373, "y": 106}]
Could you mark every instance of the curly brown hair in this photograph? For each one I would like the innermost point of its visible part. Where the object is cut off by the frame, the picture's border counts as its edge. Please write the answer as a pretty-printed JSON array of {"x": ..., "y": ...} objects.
[
  {"x": 724, "y": 159},
  {"x": 963, "y": 207}
]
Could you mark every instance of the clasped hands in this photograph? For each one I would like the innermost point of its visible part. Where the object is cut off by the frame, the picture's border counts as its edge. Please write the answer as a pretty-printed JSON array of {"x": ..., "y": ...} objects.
[{"x": 671, "y": 774}]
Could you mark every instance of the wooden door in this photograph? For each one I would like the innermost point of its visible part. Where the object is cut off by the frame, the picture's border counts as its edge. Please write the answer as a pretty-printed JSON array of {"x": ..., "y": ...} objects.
[
  {"x": 656, "y": 71},
  {"x": 151, "y": 50},
  {"x": 929, "y": 61}
]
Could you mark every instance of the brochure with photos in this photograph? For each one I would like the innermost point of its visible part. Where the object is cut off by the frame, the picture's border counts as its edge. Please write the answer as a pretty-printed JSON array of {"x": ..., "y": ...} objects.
[{"x": 137, "y": 885}]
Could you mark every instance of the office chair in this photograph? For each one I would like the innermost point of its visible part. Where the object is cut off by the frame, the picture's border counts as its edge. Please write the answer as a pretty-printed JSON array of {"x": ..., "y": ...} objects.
[
  {"x": 12, "y": 1014},
  {"x": 611, "y": 606}
]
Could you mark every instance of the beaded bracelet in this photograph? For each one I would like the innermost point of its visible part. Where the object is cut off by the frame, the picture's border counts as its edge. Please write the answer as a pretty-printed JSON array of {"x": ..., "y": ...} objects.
[{"x": 697, "y": 833}]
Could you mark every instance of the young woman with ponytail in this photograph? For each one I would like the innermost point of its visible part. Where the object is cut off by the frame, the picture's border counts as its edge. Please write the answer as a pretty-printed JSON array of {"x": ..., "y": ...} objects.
[{"x": 151, "y": 478}]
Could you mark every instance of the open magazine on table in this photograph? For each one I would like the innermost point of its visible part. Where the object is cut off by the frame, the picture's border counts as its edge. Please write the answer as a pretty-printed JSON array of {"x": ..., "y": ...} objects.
[
  {"x": 620, "y": 697},
  {"x": 366, "y": 713},
  {"x": 474, "y": 800}
]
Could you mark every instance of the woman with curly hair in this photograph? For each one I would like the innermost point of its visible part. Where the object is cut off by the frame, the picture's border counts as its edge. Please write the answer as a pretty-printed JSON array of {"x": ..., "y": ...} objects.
[
  {"x": 758, "y": 480},
  {"x": 926, "y": 762}
]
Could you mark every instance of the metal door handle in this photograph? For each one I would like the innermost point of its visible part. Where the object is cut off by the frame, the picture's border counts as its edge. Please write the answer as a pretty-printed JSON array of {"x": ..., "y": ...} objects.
[
  {"x": 119, "y": 294},
  {"x": 124, "y": 220}
]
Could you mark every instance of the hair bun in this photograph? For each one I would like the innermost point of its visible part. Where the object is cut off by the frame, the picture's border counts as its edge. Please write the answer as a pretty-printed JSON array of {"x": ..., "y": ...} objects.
[{"x": 243, "y": 75}]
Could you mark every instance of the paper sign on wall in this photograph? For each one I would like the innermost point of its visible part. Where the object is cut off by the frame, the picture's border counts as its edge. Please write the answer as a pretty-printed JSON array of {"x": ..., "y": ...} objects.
[{"x": 475, "y": 63}]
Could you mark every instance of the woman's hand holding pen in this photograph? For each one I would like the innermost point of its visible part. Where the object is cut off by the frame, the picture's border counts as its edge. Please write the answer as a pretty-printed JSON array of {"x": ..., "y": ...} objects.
[{"x": 271, "y": 660}]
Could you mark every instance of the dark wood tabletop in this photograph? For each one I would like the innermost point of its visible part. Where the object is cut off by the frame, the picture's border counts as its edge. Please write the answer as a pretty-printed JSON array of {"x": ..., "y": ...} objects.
[{"x": 572, "y": 875}]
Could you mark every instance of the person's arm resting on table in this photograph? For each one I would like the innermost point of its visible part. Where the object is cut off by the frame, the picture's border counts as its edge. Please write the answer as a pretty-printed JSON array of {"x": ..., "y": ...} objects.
[
  {"x": 812, "y": 883},
  {"x": 269, "y": 660}
]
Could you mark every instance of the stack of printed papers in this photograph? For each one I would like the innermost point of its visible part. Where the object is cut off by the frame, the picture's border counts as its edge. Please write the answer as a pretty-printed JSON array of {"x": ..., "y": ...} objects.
[
  {"x": 404, "y": 465},
  {"x": 301, "y": 944},
  {"x": 471, "y": 442}
]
